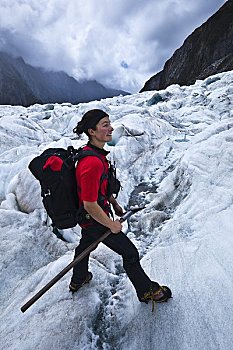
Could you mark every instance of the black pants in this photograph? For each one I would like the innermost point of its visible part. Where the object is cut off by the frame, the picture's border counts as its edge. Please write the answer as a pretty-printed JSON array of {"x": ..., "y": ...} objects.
[{"x": 120, "y": 244}]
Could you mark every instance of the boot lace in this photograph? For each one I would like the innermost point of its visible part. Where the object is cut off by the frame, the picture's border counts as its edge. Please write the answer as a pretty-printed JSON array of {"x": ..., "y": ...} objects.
[{"x": 150, "y": 296}]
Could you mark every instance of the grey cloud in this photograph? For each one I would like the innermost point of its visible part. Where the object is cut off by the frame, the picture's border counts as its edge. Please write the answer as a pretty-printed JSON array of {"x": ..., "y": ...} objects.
[
  {"x": 21, "y": 44},
  {"x": 180, "y": 18},
  {"x": 90, "y": 39}
]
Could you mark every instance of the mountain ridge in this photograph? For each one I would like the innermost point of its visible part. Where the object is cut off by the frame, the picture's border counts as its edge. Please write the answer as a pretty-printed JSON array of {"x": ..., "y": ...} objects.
[
  {"x": 23, "y": 84},
  {"x": 206, "y": 51}
]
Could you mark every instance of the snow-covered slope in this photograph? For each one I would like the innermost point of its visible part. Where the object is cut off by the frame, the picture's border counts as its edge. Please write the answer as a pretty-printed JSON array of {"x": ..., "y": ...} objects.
[{"x": 174, "y": 151}]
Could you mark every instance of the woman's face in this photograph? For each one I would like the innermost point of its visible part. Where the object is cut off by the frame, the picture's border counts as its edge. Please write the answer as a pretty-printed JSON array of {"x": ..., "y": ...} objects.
[{"x": 103, "y": 131}]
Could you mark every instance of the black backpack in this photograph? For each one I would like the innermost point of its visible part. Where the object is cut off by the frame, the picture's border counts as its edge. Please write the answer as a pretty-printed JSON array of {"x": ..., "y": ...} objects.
[{"x": 59, "y": 187}]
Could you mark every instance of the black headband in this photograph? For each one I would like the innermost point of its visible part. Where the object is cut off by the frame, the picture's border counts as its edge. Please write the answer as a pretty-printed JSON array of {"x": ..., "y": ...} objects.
[
  {"x": 93, "y": 119},
  {"x": 89, "y": 121}
]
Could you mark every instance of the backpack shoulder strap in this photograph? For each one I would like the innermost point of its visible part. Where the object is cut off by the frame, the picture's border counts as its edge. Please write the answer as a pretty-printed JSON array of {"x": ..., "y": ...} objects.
[{"x": 81, "y": 153}]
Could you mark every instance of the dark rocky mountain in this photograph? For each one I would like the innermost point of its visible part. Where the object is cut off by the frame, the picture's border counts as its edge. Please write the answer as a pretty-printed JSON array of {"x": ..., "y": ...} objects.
[
  {"x": 22, "y": 84},
  {"x": 207, "y": 51}
]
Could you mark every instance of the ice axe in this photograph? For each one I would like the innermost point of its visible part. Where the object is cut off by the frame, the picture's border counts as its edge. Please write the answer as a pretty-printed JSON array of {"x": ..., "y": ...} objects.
[{"x": 124, "y": 217}]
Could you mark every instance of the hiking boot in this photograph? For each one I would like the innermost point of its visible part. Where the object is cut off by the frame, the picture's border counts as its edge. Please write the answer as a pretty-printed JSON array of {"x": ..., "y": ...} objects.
[
  {"x": 157, "y": 294},
  {"x": 74, "y": 287}
]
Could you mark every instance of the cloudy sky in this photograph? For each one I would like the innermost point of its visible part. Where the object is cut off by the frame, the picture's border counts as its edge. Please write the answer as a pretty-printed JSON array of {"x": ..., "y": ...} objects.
[{"x": 120, "y": 43}]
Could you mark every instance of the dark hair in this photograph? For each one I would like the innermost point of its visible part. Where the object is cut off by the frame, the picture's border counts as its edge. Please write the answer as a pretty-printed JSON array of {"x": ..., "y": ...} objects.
[{"x": 89, "y": 121}]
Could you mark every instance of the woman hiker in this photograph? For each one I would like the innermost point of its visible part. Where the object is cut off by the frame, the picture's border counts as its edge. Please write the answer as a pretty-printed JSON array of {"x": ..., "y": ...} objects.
[{"x": 92, "y": 180}]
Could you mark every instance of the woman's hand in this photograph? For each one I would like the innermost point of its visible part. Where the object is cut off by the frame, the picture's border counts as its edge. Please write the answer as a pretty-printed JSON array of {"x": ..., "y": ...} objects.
[
  {"x": 116, "y": 226},
  {"x": 118, "y": 210},
  {"x": 116, "y": 207}
]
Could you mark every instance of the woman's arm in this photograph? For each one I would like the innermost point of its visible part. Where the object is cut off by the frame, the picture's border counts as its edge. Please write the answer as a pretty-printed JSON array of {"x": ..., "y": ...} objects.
[{"x": 97, "y": 213}]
